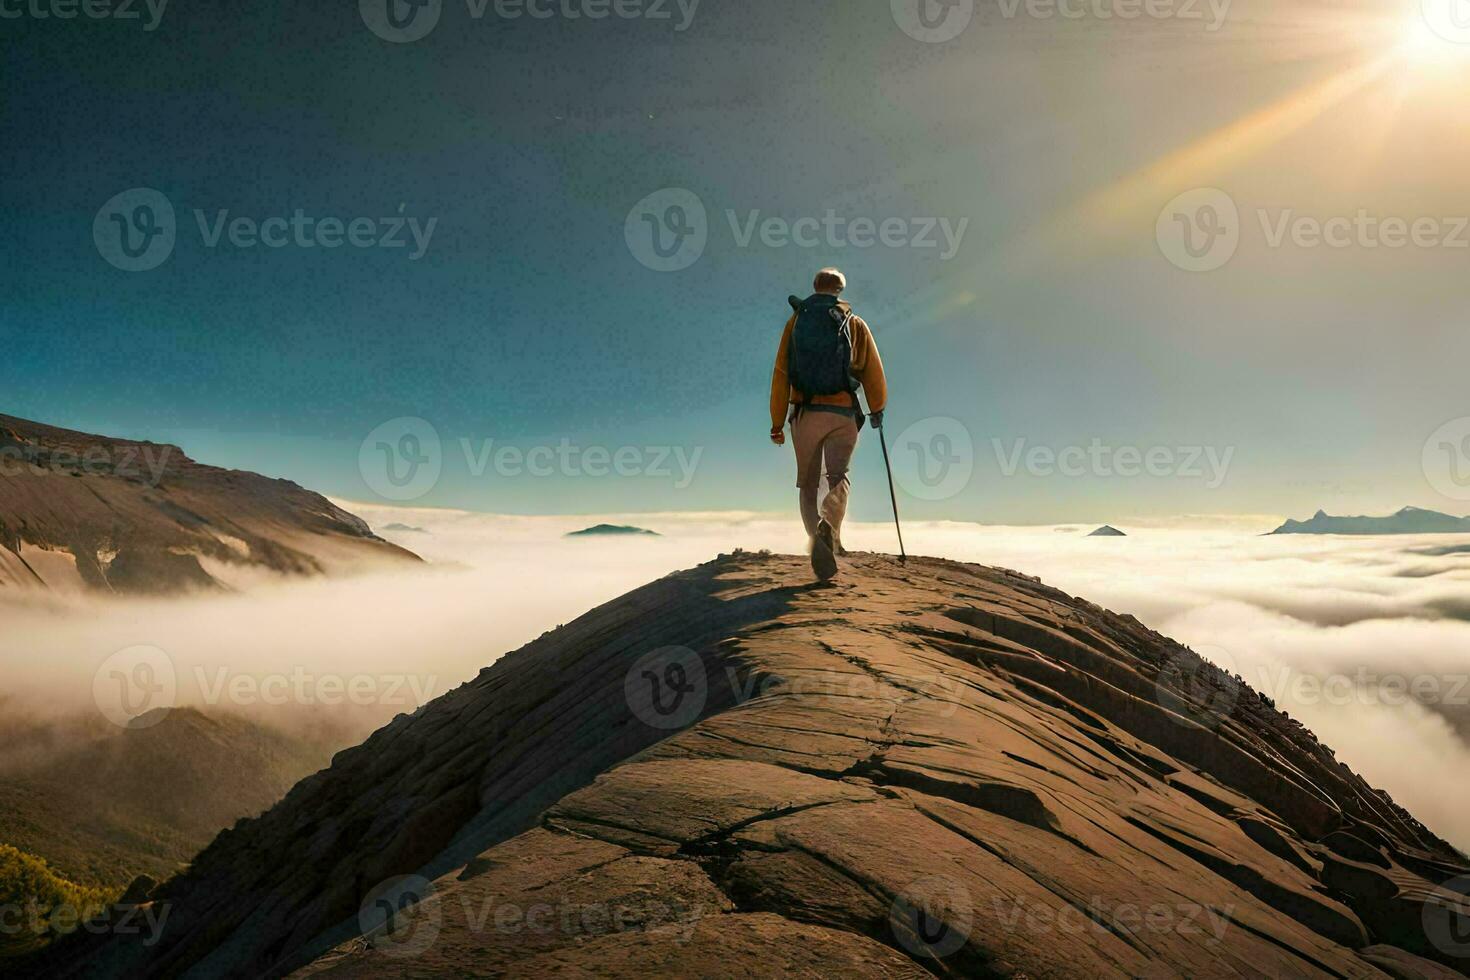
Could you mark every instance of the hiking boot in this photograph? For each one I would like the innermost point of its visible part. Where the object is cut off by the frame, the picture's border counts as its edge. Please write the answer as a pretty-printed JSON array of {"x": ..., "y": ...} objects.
[{"x": 824, "y": 557}]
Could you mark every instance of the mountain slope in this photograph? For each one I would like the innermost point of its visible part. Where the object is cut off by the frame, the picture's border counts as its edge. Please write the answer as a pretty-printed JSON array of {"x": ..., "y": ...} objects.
[
  {"x": 931, "y": 768},
  {"x": 104, "y": 809},
  {"x": 1410, "y": 520},
  {"x": 82, "y": 512}
]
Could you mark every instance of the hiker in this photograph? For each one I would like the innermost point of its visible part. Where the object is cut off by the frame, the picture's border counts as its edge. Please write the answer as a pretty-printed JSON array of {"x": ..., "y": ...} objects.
[{"x": 826, "y": 352}]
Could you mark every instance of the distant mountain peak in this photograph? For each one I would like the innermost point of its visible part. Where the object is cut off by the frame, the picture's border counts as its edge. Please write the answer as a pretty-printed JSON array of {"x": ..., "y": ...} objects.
[
  {"x": 1407, "y": 520},
  {"x": 611, "y": 530}
]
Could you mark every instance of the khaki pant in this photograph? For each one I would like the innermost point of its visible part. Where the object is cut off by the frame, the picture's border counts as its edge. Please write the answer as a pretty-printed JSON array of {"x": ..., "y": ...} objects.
[{"x": 823, "y": 440}]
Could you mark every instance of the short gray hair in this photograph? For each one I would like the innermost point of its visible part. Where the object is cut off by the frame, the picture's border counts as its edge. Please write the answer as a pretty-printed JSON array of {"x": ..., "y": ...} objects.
[{"x": 829, "y": 280}]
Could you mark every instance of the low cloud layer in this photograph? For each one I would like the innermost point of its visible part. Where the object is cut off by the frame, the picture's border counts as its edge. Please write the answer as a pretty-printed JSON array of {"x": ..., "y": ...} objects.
[{"x": 1365, "y": 640}]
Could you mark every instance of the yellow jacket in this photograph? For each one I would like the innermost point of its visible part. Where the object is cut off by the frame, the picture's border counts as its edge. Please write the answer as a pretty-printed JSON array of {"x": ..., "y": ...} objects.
[{"x": 867, "y": 366}]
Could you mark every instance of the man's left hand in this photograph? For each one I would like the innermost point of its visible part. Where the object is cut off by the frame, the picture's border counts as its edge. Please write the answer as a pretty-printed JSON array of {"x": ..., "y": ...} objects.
[{"x": 778, "y": 437}]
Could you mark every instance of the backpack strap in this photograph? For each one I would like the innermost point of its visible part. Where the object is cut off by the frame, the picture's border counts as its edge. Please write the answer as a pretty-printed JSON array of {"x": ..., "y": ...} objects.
[
  {"x": 796, "y": 306},
  {"x": 843, "y": 312}
]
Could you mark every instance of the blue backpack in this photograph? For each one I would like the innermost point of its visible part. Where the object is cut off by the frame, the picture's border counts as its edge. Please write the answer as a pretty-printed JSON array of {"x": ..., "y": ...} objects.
[{"x": 819, "y": 360}]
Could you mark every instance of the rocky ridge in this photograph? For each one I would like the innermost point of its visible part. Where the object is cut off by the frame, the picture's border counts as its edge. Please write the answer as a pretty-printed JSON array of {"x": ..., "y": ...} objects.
[{"x": 922, "y": 769}]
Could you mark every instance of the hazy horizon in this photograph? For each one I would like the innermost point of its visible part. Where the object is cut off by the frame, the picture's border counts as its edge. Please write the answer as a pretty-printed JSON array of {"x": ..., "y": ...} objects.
[
  {"x": 1094, "y": 484},
  {"x": 1358, "y": 638}
]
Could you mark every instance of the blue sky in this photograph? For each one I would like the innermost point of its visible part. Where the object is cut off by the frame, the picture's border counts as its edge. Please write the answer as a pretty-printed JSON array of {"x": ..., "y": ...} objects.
[{"x": 528, "y": 319}]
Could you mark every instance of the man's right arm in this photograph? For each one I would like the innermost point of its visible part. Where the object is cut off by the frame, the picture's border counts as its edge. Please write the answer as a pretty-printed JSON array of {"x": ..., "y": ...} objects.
[{"x": 780, "y": 381}]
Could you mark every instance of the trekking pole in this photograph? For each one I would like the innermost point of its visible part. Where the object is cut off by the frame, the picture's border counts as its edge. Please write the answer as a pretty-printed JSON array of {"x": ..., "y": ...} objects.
[{"x": 902, "y": 558}]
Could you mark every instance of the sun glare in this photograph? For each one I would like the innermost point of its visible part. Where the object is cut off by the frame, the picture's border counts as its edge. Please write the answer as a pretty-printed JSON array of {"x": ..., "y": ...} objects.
[
  {"x": 1419, "y": 42},
  {"x": 1437, "y": 35}
]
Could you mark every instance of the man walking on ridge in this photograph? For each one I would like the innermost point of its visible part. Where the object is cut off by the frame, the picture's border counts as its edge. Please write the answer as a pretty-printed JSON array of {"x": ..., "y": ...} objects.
[{"x": 826, "y": 352}]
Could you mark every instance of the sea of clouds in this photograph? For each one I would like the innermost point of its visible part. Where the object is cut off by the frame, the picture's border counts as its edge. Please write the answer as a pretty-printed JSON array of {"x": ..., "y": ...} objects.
[{"x": 1365, "y": 640}]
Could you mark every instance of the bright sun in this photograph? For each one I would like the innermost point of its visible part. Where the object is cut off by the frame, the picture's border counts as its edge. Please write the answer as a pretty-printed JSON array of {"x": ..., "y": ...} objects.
[
  {"x": 1441, "y": 42},
  {"x": 1419, "y": 40}
]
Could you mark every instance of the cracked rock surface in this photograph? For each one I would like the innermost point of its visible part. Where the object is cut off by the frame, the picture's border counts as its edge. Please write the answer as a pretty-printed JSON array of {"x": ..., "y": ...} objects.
[{"x": 928, "y": 769}]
